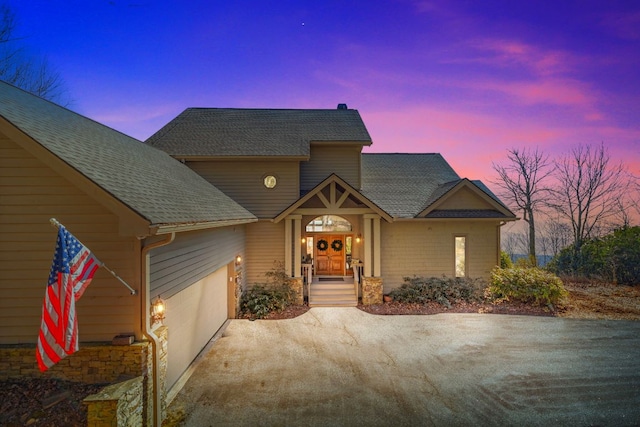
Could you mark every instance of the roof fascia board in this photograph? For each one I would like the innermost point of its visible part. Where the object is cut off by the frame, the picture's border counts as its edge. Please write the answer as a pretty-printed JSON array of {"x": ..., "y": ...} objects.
[
  {"x": 180, "y": 228},
  {"x": 465, "y": 182},
  {"x": 130, "y": 223},
  {"x": 332, "y": 142},
  {"x": 235, "y": 158},
  {"x": 421, "y": 219},
  {"x": 333, "y": 178}
]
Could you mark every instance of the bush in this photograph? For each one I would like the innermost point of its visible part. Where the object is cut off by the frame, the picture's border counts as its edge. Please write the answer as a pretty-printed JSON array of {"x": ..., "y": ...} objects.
[
  {"x": 442, "y": 290},
  {"x": 528, "y": 285},
  {"x": 613, "y": 258},
  {"x": 263, "y": 298},
  {"x": 505, "y": 260}
]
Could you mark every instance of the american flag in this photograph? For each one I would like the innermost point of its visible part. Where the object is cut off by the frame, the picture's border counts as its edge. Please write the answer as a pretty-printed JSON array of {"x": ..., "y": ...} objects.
[{"x": 72, "y": 269}]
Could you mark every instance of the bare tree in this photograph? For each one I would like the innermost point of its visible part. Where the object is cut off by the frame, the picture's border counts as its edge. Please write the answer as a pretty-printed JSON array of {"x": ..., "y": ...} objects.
[
  {"x": 521, "y": 185},
  {"x": 19, "y": 69},
  {"x": 588, "y": 190},
  {"x": 554, "y": 236}
]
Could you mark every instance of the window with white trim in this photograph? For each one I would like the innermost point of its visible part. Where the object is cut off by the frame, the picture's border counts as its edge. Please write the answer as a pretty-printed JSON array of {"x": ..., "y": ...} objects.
[{"x": 460, "y": 256}]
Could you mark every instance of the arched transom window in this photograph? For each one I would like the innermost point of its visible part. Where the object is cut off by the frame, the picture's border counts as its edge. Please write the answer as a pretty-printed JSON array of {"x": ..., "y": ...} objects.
[{"x": 328, "y": 223}]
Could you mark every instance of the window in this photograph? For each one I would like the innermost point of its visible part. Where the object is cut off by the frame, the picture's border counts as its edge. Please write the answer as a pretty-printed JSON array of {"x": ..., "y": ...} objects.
[
  {"x": 460, "y": 256},
  {"x": 328, "y": 223}
]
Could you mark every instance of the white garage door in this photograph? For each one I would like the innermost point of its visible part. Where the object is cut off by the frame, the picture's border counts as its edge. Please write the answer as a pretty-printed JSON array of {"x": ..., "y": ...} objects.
[{"x": 193, "y": 316}]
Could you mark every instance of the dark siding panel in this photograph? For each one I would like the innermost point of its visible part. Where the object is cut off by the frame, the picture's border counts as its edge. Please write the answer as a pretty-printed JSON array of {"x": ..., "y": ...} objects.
[{"x": 192, "y": 257}]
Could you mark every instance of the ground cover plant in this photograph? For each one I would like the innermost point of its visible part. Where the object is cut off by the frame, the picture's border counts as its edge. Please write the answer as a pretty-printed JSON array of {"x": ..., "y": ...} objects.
[
  {"x": 275, "y": 295},
  {"x": 443, "y": 290}
]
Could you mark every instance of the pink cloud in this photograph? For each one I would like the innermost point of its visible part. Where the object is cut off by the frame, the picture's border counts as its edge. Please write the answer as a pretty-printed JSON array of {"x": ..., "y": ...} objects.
[{"x": 507, "y": 53}]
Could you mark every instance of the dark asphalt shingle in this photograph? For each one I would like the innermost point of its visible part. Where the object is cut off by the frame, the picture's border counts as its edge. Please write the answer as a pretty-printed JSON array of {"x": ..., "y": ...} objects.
[
  {"x": 256, "y": 132},
  {"x": 156, "y": 186}
]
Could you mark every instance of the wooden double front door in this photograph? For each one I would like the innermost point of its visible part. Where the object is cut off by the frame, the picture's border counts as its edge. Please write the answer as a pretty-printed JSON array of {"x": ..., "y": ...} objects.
[{"x": 330, "y": 259}]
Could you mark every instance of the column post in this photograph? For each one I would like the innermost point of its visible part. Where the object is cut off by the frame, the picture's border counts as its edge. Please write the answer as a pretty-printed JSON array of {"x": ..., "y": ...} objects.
[
  {"x": 287, "y": 246},
  {"x": 297, "y": 251},
  {"x": 376, "y": 246},
  {"x": 367, "y": 246}
]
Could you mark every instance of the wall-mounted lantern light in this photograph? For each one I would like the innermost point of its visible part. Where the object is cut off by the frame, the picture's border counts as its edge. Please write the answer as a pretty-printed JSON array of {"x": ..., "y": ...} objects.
[
  {"x": 238, "y": 259},
  {"x": 157, "y": 311},
  {"x": 304, "y": 240},
  {"x": 358, "y": 238}
]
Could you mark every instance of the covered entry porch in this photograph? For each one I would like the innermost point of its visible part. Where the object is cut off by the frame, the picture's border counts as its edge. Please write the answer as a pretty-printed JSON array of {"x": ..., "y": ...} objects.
[{"x": 332, "y": 244}]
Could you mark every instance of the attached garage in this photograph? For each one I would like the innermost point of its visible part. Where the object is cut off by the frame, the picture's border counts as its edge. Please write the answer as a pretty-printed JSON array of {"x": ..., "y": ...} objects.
[{"x": 196, "y": 277}]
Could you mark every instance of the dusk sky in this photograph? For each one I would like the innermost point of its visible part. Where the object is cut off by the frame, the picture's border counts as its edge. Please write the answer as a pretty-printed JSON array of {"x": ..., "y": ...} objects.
[{"x": 467, "y": 79}]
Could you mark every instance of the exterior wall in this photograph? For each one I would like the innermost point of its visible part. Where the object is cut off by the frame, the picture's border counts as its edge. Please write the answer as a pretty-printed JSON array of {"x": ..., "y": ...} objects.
[
  {"x": 193, "y": 316},
  {"x": 192, "y": 257},
  {"x": 328, "y": 159},
  {"x": 243, "y": 181},
  {"x": 265, "y": 244},
  {"x": 465, "y": 199},
  {"x": 426, "y": 248},
  {"x": 31, "y": 193}
]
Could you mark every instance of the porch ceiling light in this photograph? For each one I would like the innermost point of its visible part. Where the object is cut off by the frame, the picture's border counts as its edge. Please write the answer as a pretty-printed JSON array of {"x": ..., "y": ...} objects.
[{"x": 157, "y": 311}]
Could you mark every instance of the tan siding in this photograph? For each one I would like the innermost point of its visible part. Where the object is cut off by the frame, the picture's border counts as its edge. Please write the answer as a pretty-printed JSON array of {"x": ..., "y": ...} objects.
[
  {"x": 192, "y": 257},
  {"x": 31, "y": 193},
  {"x": 328, "y": 159},
  {"x": 243, "y": 182},
  {"x": 465, "y": 199},
  {"x": 427, "y": 249},
  {"x": 265, "y": 244}
]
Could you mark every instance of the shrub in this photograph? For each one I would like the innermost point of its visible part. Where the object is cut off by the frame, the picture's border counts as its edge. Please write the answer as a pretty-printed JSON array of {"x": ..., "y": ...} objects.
[
  {"x": 529, "y": 285},
  {"x": 613, "y": 258},
  {"x": 442, "y": 290},
  {"x": 505, "y": 260},
  {"x": 263, "y": 298}
]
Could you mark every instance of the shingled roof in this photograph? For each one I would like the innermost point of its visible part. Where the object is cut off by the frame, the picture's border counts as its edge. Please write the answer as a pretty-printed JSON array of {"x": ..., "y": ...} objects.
[
  {"x": 401, "y": 183},
  {"x": 257, "y": 132},
  {"x": 159, "y": 188},
  {"x": 404, "y": 185}
]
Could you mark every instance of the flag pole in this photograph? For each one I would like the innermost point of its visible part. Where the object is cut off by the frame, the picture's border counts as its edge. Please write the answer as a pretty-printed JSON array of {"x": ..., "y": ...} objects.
[{"x": 54, "y": 222}]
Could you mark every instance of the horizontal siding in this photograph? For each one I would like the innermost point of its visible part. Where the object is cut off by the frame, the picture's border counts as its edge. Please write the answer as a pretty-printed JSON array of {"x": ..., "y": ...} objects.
[
  {"x": 30, "y": 194},
  {"x": 243, "y": 182},
  {"x": 328, "y": 159},
  {"x": 192, "y": 257},
  {"x": 265, "y": 245},
  {"x": 427, "y": 249},
  {"x": 465, "y": 199}
]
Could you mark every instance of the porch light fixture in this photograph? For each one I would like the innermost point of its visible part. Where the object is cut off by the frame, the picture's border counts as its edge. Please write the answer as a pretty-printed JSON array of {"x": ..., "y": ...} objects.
[
  {"x": 358, "y": 238},
  {"x": 238, "y": 259},
  {"x": 157, "y": 311},
  {"x": 303, "y": 240}
]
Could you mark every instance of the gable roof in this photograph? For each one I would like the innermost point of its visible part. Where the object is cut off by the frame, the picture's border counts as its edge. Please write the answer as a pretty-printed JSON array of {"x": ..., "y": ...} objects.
[
  {"x": 449, "y": 189},
  {"x": 334, "y": 202},
  {"x": 410, "y": 185},
  {"x": 236, "y": 132},
  {"x": 400, "y": 183},
  {"x": 155, "y": 186}
]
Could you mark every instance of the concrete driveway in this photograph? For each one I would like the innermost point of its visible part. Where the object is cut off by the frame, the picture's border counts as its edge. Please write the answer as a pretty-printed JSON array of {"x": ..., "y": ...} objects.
[{"x": 341, "y": 366}]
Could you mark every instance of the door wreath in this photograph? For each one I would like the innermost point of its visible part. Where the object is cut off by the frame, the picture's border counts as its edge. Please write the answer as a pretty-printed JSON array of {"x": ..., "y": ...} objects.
[
  {"x": 322, "y": 245},
  {"x": 336, "y": 245}
]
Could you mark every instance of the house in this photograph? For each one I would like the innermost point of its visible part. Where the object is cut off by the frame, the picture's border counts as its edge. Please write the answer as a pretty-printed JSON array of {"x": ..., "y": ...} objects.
[
  {"x": 202, "y": 210},
  {"x": 368, "y": 218}
]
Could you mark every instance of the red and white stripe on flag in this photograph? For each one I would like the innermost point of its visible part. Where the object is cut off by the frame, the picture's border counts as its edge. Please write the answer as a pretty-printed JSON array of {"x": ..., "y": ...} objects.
[{"x": 71, "y": 272}]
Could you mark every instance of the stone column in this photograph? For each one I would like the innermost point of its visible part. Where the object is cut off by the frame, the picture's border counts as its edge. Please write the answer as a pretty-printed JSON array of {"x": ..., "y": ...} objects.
[
  {"x": 296, "y": 284},
  {"x": 371, "y": 290}
]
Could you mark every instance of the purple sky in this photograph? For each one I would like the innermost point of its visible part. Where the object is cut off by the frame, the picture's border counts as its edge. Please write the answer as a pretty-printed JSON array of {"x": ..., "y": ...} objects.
[{"x": 468, "y": 79}]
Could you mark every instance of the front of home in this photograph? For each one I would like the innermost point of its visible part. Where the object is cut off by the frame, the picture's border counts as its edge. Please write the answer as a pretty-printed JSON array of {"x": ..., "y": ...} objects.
[
  {"x": 203, "y": 210},
  {"x": 326, "y": 210}
]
